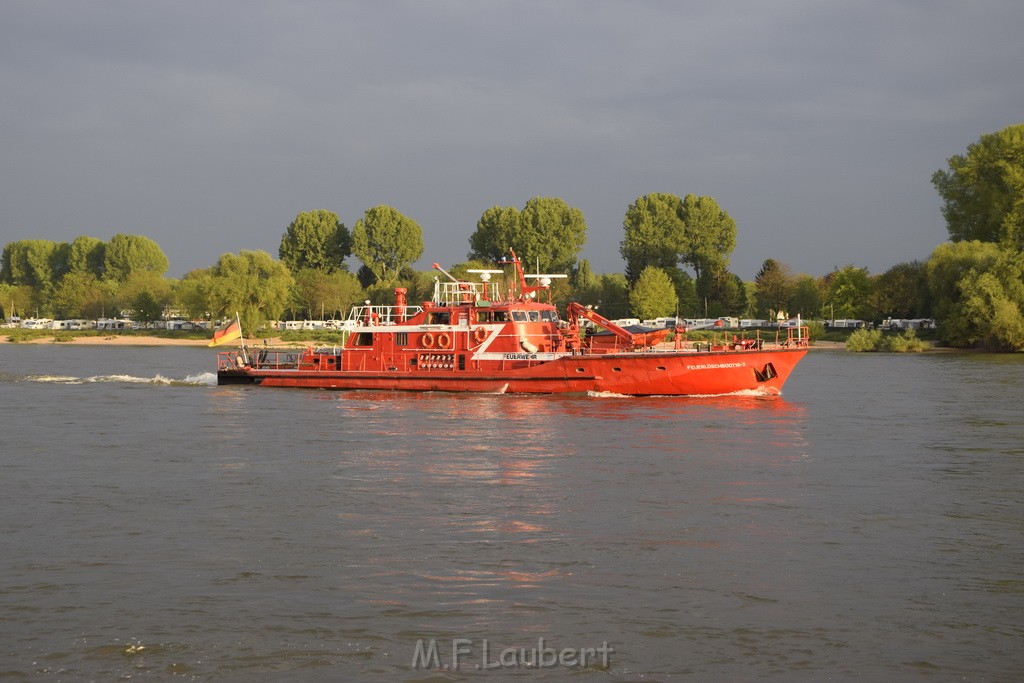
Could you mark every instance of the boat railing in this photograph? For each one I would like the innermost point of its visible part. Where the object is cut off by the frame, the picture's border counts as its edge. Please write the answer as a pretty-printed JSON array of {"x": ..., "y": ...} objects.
[
  {"x": 380, "y": 315},
  {"x": 463, "y": 292},
  {"x": 259, "y": 359},
  {"x": 797, "y": 336}
]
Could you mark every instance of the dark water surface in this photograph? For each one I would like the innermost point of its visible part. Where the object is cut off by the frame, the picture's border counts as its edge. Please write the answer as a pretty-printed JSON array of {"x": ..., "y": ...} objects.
[{"x": 867, "y": 525}]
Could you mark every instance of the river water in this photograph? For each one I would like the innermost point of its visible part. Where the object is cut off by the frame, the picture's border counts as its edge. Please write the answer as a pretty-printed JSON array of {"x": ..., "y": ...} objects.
[{"x": 865, "y": 525}]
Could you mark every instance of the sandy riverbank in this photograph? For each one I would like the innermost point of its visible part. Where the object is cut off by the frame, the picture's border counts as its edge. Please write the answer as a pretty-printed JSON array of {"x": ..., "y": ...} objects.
[{"x": 136, "y": 340}]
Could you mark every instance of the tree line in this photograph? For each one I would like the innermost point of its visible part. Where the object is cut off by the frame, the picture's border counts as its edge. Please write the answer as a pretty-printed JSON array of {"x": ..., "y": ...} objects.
[{"x": 676, "y": 252}]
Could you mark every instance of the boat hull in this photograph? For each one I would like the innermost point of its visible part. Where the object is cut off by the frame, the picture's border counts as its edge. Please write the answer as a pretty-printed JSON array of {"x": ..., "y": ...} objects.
[{"x": 635, "y": 374}]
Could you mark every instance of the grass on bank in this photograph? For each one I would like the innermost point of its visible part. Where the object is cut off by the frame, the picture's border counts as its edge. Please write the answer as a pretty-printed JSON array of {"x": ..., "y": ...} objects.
[{"x": 20, "y": 335}]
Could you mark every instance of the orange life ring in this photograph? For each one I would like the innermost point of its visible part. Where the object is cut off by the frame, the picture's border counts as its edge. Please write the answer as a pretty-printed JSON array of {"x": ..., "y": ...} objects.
[
  {"x": 443, "y": 340},
  {"x": 427, "y": 340},
  {"x": 479, "y": 334}
]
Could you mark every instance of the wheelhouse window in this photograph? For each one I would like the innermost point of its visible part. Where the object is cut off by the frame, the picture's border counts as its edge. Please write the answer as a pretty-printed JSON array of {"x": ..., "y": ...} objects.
[
  {"x": 519, "y": 316},
  {"x": 363, "y": 339},
  {"x": 439, "y": 318}
]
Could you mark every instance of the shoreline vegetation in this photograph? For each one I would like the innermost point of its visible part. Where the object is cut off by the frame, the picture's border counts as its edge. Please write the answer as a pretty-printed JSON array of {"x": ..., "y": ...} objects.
[{"x": 298, "y": 340}]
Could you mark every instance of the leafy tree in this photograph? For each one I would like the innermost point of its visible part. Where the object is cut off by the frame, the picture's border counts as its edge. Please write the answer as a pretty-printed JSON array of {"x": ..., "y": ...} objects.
[
  {"x": 653, "y": 233},
  {"x": 551, "y": 235},
  {"x": 849, "y": 293},
  {"x": 419, "y": 286},
  {"x": 721, "y": 293},
  {"x": 191, "y": 294},
  {"x": 496, "y": 233},
  {"x": 653, "y": 295},
  {"x": 608, "y": 293},
  {"x": 806, "y": 296},
  {"x": 901, "y": 290},
  {"x": 983, "y": 191},
  {"x": 80, "y": 294},
  {"x": 977, "y": 291},
  {"x": 686, "y": 292},
  {"x": 15, "y": 299},
  {"x": 317, "y": 240},
  {"x": 251, "y": 283},
  {"x": 773, "y": 289},
  {"x": 87, "y": 255},
  {"x": 318, "y": 293},
  {"x": 146, "y": 308},
  {"x": 35, "y": 263},
  {"x": 709, "y": 235},
  {"x": 583, "y": 279},
  {"x": 145, "y": 293},
  {"x": 128, "y": 254},
  {"x": 547, "y": 234},
  {"x": 385, "y": 241}
]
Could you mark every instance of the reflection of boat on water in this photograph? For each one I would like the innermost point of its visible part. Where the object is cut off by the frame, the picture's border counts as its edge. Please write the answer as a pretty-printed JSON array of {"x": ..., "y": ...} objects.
[{"x": 472, "y": 337}]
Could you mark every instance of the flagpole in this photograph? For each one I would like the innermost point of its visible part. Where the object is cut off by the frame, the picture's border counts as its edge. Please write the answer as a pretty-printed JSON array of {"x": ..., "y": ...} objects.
[{"x": 241, "y": 337}]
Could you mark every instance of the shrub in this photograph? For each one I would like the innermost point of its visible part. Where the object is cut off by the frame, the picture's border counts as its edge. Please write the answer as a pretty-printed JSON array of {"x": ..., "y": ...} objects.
[
  {"x": 815, "y": 329},
  {"x": 904, "y": 343},
  {"x": 863, "y": 339}
]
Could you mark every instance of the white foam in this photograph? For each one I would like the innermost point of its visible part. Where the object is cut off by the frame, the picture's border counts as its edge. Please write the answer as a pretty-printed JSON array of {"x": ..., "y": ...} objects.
[{"x": 202, "y": 379}]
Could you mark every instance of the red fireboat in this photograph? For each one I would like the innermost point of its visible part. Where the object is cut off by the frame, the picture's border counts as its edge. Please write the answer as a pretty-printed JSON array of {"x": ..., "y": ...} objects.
[{"x": 473, "y": 337}]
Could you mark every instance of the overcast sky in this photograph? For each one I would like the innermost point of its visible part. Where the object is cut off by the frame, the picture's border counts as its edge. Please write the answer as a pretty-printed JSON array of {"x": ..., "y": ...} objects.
[{"x": 207, "y": 126}]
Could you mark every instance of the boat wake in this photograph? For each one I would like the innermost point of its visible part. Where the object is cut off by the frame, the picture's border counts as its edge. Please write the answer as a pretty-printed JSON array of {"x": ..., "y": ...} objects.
[{"x": 201, "y": 379}]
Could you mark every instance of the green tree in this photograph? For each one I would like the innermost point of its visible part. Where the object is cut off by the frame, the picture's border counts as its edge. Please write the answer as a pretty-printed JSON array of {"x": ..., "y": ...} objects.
[
  {"x": 87, "y": 255},
  {"x": 386, "y": 241},
  {"x": 329, "y": 295},
  {"x": 146, "y": 308},
  {"x": 721, "y": 293},
  {"x": 902, "y": 290},
  {"x": 496, "y": 233},
  {"x": 191, "y": 294},
  {"x": 709, "y": 235},
  {"x": 547, "y": 234},
  {"x": 15, "y": 299},
  {"x": 977, "y": 291},
  {"x": 983, "y": 191},
  {"x": 251, "y": 283},
  {"x": 145, "y": 293},
  {"x": 80, "y": 294},
  {"x": 586, "y": 284},
  {"x": 686, "y": 291},
  {"x": 849, "y": 293},
  {"x": 128, "y": 254},
  {"x": 35, "y": 263},
  {"x": 653, "y": 295},
  {"x": 993, "y": 302},
  {"x": 551, "y": 235},
  {"x": 317, "y": 240},
  {"x": 806, "y": 296},
  {"x": 654, "y": 232},
  {"x": 773, "y": 289}
]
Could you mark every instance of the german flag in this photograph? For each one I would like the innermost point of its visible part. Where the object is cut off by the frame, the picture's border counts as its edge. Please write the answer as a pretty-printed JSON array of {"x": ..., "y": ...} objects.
[{"x": 228, "y": 334}]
